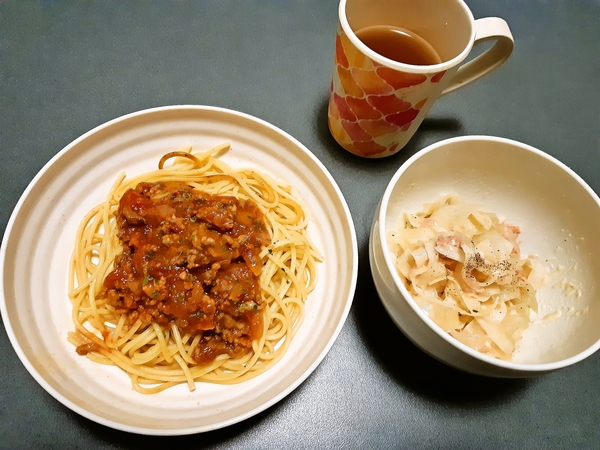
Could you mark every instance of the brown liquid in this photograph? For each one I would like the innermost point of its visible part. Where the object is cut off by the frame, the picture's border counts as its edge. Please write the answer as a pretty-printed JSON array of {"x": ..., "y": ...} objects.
[{"x": 399, "y": 45}]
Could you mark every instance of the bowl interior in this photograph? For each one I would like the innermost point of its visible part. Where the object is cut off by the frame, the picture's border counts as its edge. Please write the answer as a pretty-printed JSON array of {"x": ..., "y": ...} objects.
[{"x": 559, "y": 217}]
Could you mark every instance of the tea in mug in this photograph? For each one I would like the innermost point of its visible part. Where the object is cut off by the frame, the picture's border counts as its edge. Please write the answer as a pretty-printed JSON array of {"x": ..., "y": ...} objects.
[{"x": 399, "y": 44}]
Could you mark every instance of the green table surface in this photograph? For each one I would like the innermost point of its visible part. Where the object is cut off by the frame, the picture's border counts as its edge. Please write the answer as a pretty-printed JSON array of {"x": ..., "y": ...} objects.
[{"x": 68, "y": 66}]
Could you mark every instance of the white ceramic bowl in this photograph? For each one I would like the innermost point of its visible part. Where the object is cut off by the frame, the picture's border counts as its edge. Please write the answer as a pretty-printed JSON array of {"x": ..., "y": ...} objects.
[
  {"x": 39, "y": 239},
  {"x": 559, "y": 216}
]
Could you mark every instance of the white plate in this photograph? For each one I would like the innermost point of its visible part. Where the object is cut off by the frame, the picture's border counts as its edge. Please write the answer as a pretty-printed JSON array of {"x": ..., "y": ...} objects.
[{"x": 39, "y": 238}]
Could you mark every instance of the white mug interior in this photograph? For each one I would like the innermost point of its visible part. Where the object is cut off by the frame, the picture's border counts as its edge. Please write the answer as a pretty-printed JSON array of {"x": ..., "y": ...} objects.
[{"x": 447, "y": 25}]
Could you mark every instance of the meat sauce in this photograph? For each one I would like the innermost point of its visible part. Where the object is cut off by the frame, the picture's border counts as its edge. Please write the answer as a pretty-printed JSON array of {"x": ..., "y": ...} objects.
[{"x": 190, "y": 258}]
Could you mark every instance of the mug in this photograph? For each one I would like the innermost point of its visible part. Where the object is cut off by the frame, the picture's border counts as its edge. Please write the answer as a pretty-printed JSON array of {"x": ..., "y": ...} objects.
[{"x": 377, "y": 103}]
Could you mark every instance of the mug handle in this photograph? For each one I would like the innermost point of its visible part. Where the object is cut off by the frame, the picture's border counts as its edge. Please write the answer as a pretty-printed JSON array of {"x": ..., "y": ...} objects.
[{"x": 486, "y": 29}]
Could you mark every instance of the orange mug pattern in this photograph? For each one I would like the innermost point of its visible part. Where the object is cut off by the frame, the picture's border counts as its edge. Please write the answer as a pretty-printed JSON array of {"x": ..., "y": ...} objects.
[{"x": 371, "y": 105}]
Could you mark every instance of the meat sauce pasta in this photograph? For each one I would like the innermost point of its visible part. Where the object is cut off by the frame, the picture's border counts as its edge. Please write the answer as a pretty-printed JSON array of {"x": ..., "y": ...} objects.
[
  {"x": 195, "y": 272},
  {"x": 464, "y": 268}
]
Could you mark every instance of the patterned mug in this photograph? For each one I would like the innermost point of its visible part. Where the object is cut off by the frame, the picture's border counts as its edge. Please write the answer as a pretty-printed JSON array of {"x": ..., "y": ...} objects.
[{"x": 377, "y": 103}]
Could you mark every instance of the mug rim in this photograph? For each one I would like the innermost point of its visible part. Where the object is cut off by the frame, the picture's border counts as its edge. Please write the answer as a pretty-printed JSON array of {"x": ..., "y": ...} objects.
[{"x": 403, "y": 67}]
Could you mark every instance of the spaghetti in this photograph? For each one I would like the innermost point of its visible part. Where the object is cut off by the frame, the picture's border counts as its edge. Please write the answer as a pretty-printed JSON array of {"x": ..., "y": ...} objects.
[{"x": 152, "y": 343}]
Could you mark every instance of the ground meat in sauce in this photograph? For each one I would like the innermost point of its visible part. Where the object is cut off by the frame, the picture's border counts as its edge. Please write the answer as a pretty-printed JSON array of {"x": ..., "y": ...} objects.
[{"x": 193, "y": 259}]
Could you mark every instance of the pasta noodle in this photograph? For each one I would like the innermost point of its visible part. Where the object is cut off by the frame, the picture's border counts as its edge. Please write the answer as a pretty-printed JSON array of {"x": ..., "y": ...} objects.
[
  {"x": 464, "y": 268},
  {"x": 155, "y": 356}
]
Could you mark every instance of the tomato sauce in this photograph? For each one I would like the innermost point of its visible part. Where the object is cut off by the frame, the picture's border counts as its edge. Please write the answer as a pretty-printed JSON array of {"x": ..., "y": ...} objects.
[{"x": 190, "y": 258}]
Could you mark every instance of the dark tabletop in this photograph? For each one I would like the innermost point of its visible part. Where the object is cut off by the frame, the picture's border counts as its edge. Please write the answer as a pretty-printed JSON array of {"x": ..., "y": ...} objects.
[{"x": 68, "y": 66}]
